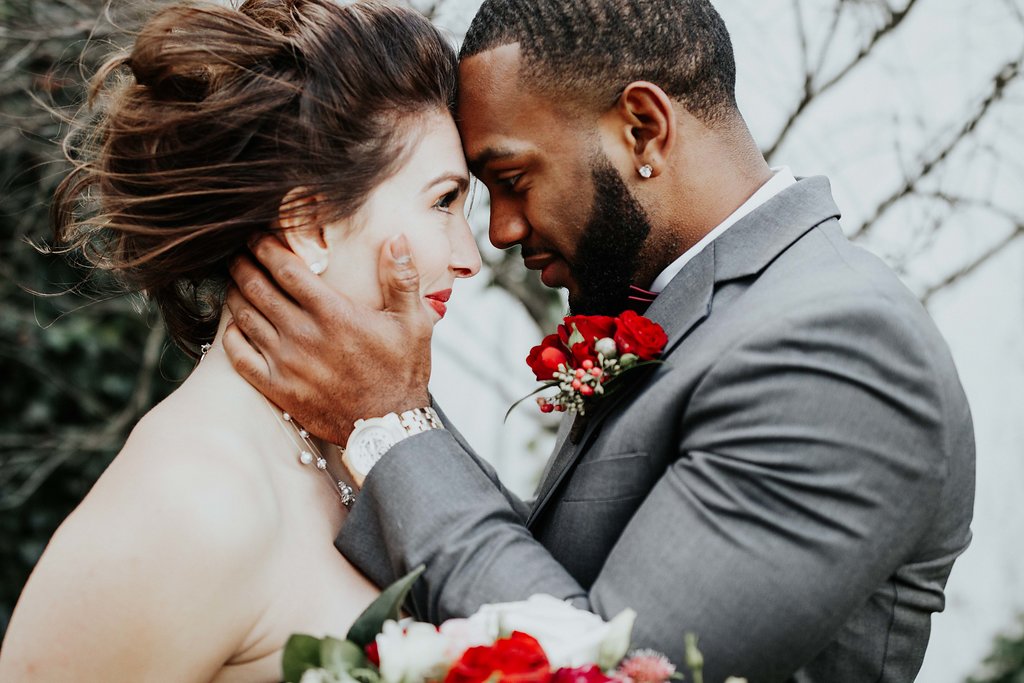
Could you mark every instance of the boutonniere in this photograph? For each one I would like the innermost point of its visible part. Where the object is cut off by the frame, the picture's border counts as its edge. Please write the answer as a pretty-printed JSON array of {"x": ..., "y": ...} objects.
[{"x": 587, "y": 354}]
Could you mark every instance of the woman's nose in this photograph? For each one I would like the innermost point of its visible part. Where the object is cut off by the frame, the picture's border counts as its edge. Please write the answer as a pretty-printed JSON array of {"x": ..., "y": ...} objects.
[{"x": 465, "y": 261}]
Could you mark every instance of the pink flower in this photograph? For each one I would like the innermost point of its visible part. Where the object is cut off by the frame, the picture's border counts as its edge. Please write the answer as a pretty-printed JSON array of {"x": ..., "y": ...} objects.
[{"x": 647, "y": 666}]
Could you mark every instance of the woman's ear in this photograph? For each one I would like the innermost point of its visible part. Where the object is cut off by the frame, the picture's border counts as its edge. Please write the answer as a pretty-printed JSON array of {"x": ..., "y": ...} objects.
[
  {"x": 644, "y": 121},
  {"x": 301, "y": 228}
]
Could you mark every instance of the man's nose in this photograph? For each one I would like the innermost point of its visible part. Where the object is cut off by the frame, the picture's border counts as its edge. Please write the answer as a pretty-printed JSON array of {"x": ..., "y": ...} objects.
[{"x": 508, "y": 226}]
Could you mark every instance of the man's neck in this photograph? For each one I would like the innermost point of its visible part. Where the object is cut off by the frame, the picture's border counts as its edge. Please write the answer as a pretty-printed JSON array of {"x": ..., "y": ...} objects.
[{"x": 721, "y": 176}]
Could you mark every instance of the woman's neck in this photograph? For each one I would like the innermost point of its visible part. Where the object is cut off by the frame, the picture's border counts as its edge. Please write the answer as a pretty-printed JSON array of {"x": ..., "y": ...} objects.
[{"x": 249, "y": 408}]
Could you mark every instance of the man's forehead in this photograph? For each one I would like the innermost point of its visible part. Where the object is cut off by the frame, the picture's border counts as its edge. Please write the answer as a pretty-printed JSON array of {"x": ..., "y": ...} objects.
[
  {"x": 491, "y": 104},
  {"x": 503, "y": 61}
]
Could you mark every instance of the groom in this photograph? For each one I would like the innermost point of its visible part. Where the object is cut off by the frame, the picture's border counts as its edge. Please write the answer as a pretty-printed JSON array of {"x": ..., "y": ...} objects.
[{"x": 793, "y": 484}]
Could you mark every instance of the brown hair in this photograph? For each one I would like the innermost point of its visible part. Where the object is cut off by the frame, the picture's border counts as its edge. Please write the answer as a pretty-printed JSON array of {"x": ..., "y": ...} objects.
[{"x": 215, "y": 114}]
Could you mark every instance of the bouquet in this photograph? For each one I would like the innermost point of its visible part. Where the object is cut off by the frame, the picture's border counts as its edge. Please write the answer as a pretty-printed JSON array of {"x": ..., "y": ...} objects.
[{"x": 539, "y": 640}]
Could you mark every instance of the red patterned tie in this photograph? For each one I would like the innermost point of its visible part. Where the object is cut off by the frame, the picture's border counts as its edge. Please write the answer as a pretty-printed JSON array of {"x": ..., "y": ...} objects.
[{"x": 639, "y": 299}]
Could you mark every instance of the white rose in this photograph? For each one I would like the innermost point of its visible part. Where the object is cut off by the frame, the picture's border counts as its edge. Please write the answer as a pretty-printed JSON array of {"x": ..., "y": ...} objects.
[
  {"x": 325, "y": 676},
  {"x": 410, "y": 653},
  {"x": 570, "y": 637},
  {"x": 461, "y": 634}
]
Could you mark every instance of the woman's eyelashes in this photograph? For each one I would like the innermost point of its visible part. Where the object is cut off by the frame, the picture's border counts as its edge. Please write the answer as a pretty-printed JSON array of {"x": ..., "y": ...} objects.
[{"x": 447, "y": 200}]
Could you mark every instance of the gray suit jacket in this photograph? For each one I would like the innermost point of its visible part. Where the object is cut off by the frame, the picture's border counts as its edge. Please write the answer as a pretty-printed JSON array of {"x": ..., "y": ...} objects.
[{"x": 793, "y": 485}]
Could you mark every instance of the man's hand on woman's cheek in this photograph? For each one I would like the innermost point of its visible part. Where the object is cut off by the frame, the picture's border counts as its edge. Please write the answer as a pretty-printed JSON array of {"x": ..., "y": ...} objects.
[{"x": 317, "y": 354}]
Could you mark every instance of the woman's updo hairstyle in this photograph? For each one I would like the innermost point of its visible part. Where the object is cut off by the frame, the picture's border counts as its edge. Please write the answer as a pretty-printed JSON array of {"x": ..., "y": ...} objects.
[{"x": 217, "y": 113}]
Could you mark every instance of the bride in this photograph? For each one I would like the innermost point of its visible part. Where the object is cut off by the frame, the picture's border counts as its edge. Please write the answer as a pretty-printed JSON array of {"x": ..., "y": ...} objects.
[{"x": 209, "y": 540}]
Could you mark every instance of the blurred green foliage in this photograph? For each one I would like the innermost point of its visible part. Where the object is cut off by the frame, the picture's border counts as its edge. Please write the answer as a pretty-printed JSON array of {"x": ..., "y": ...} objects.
[
  {"x": 79, "y": 364},
  {"x": 1005, "y": 664}
]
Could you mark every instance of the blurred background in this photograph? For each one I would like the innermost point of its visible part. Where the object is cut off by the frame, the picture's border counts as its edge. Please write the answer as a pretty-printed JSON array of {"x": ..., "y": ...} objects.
[{"x": 913, "y": 108}]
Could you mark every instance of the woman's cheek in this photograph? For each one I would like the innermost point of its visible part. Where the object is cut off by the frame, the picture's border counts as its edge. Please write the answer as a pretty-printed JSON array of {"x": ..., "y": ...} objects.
[
  {"x": 432, "y": 255},
  {"x": 353, "y": 271}
]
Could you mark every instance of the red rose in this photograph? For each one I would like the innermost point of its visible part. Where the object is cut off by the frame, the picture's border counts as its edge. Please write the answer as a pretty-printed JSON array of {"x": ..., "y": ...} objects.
[
  {"x": 517, "y": 659},
  {"x": 592, "y": 328},
  {"x": 583, "y": 674},
  {"x": 637, "y": 335},
  {"x": 373, "y": 653},
  {"x": 545, "y": 358}
]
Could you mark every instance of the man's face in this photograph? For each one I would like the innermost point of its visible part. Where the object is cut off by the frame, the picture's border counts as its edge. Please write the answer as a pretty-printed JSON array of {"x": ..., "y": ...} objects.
[{"x": 553, "y": 191}]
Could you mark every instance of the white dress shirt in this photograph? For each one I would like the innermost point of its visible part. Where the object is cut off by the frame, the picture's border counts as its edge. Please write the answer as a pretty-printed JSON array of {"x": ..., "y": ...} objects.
[{"x": 780, "y": 180}]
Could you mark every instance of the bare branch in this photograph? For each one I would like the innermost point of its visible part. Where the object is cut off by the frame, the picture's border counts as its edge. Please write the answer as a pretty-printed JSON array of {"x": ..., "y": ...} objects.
[
  {"x": 966, "y": 270},
  {"x": 811, "y": 92},
  {"x": 1007, "y": 74}
]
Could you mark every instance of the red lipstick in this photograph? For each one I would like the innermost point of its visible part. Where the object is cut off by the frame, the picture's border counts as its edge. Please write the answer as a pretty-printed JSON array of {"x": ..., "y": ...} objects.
[{"x": 439, "y": 300}]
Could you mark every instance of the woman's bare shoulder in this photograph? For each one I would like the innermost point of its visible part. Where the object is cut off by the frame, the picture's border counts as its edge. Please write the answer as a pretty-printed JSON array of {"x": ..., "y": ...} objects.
[
  {"x": 196, "y": 481},
  {"x": 176, "y": 524}
]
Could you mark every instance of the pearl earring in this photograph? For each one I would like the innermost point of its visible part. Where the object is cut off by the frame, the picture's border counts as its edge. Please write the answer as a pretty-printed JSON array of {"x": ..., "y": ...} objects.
[
  {"x": 317, "y": 267},
  {"x": 646, "y": 171}
]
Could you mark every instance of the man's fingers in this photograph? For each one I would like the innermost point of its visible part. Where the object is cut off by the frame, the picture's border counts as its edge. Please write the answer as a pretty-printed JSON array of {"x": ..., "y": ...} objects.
[
  {"x": 261, "y": 293},
  {"x": 246, "y": 360},
  {"x": 291, "y": 273},
  {"x": 399, "y": 279},
  {"x": 258, "y": 331}
]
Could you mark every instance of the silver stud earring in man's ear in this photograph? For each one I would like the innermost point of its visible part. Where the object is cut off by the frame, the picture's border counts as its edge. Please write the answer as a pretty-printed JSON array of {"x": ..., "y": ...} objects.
[
  {"x": 317, "y": 267},
  {"x": 646, "y": 171}
]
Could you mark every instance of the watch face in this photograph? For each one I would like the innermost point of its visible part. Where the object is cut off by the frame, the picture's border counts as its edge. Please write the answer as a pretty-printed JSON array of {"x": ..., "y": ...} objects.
[{"x": 371, "y": 444}]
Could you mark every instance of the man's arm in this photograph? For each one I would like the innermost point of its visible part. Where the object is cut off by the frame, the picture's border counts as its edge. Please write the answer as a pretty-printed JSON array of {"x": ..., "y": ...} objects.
[
  {"x": 808, "y": 464},
  {"x": 820, "y": 463}
]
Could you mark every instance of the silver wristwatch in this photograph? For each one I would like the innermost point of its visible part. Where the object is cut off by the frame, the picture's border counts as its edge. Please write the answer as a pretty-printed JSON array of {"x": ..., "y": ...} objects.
[{"x": 375, "y": 436}]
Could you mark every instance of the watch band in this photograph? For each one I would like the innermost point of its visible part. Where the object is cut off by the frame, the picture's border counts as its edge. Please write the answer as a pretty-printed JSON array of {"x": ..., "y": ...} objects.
[{"x": 420, "y": 420}]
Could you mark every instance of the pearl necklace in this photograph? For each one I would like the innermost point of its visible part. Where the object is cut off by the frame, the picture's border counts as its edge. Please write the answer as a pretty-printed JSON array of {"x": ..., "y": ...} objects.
[{"x": 309, "y": 453}]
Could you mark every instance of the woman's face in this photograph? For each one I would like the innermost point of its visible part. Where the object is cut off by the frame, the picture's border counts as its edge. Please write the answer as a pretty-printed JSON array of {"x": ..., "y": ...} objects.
[{"x": 426, "y": 201}]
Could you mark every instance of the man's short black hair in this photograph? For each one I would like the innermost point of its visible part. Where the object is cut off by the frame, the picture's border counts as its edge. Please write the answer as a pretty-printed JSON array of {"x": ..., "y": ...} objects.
[{"x": 590, "y": 50}]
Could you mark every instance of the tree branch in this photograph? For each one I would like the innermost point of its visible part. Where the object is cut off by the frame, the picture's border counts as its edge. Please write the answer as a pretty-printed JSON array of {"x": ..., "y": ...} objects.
[
  {"x": 810, "y": 93},
  {"x": 976, "y": 263},
  {"x": 1006, "y": 75}
]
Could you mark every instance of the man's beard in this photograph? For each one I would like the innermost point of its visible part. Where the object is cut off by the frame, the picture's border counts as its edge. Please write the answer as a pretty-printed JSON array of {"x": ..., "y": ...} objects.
[{"x": 608, "y": 255}]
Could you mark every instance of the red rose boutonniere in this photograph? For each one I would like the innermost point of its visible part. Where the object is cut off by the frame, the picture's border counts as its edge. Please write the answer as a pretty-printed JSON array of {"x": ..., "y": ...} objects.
[{"x": 588, "y": 352}]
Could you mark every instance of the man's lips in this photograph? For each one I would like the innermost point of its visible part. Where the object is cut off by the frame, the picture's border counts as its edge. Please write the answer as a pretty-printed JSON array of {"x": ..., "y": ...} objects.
[
  {"x": 554, "y": 271},
  {"x": 439, "y": 300}
]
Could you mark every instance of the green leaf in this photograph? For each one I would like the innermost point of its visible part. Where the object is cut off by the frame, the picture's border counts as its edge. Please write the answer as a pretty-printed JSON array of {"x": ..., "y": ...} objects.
[
  {"x": 301, "y": 652},
  {"x": 387, "y": 606},
  {"x": 339, "y": 656},
  {"x": 366, "y": 675}
]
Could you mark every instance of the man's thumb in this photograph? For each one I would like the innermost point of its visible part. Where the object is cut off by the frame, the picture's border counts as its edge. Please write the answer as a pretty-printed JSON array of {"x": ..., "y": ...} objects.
[{"x": 399, "y": 278}]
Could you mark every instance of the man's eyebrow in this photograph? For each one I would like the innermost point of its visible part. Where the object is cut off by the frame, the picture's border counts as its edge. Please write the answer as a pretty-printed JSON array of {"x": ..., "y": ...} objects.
[{"x": 477, "y": 163}]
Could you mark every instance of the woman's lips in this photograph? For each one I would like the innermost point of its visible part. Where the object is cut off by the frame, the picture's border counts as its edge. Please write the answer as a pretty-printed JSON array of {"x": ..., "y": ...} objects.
[{"x": 439, "y": 300}]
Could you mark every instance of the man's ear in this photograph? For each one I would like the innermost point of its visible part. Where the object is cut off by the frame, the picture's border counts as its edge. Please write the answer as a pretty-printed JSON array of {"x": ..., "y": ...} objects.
[
  {"x": 644, "y": 120},
  {"x": 302, "y": 229}
]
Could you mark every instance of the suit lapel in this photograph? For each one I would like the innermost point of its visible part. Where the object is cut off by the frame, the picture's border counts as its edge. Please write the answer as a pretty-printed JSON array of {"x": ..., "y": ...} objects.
[
  {"x": 679, "y": 309},
  {"x": 745, "y": 249}
]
